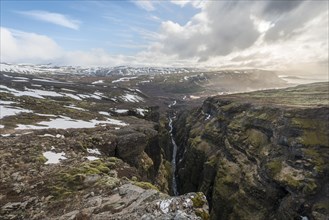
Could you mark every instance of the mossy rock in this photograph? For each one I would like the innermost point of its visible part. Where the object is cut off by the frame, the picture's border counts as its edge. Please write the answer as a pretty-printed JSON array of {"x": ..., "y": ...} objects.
[
  {"x": 274, "y": 167},
  {"x": 317, "y": 158},
  {"x": 256, "y": 138},
  {"x": 41, "y": 159},
  {"x": 198, "y": 200},
  {"x": 203, "y": 214},
  {"x": 145, "y": 185},
  {"x": 73, "y": 179}
]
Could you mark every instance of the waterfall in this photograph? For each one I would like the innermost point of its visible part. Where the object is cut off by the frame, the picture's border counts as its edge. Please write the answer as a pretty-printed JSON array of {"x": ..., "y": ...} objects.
[{"x": 174, "y": 153}]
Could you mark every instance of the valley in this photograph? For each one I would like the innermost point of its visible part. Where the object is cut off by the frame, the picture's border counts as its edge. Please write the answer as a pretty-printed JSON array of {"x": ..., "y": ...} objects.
[{"x": 228, "y": 144}]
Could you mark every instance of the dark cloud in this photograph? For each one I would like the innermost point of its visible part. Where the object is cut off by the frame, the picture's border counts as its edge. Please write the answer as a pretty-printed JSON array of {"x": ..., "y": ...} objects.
[
  {"x": 286, "y": 23},
  {"x": 279, "y": 7}
]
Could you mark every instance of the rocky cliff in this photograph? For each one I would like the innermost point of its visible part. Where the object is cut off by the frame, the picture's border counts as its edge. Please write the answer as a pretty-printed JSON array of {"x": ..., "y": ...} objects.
[
  {"x": 260, "y": 155},
  {"x": 96, "y": 173}
]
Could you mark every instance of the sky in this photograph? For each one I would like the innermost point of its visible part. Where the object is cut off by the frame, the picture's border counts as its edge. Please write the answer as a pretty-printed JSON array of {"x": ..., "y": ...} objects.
[{"x": 268, "y": 34}]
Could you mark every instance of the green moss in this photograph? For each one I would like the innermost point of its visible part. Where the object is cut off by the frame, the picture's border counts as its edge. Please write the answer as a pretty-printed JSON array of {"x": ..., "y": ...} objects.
[
  {"x": 203, "y": 214},
  {"x": 317, "y": 158},
  {"x": 198, "y": 200},
  {"x": 322, "y": 206},
  {"x": 145, "y": 185},
  {"x": 41, "y": 159},
  {"x": 310, "y": 187},
  {"x": 73, "y": 179},
  {"x": 212, "y": 161},
  {"x": 256, "y": 138},
  {"x": 314, "y": 138},
  {"x": 274, "y": 167},
  {"x": 292, "y": 182}
]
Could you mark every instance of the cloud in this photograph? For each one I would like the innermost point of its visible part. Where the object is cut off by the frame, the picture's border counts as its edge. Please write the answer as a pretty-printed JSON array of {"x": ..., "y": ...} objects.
[
  {"x": 18, "y": 46},
  {"x": 23, "y": 47},
  {"x": 194, "y": 3},
  {"x": 257, "y": 33},
  {"x": 145, "y": 4},
  {"x": 54, "y": 18}
]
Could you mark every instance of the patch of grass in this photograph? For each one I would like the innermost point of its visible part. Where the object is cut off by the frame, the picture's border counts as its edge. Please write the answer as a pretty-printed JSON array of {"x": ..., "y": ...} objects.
[{"x": 145, "y": 185}]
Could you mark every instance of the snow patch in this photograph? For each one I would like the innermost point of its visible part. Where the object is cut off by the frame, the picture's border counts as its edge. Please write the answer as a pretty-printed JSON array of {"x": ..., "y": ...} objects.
[
  {"x": 124, "y": 79},
  {"x": 141, "y": 111},
  {"x": 104, "y": 113},
  {"x": 8, "y": 111},
  {"x": 76, "y": 108},
  {"x": 54, "y": 158},
  {"x": 93, "y": 151},
  {"x": 97, "y": 82},
  {"x": 91, "y": 158},
  {"x": 63, "y": 122},
  {"x": 131, "y": 98}
]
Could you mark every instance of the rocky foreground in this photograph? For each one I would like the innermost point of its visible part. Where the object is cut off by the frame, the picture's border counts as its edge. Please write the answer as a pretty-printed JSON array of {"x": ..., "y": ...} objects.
[{"x": 89, "y": 181}]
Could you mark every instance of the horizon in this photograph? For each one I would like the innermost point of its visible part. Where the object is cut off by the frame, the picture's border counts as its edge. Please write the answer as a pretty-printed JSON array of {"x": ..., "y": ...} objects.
[{"x": 271, "y": 35}]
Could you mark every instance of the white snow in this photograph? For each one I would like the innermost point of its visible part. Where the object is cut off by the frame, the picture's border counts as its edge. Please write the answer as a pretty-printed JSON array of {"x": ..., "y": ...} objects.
[
  {"x": 63, "y": 122},
  {"x": 172, "y": 104},
  {"x": 104, "y": 113},
  {"x": 99, "y": 93},
  {"x": 2, "y": 126},
  {"x": 91, "y": 158},
  {"x": 131, "y": 98},
  {"x": 194, "y": 97},
  {"x": 48, "y": 135},
  {"x": 68, "y": 90},
  {"x": 60, "y": 136},
  {"x": 49, "y": 80},
  {"x": 76, "y": 108},
  {"x": 3, "y": 102},
  {"x": 53, "y": 158},
  {"x": 72, "y": 96},
  {"x": 141, "y": 111},
  {"x": 89, "y": 96},
  {"x": 93, "y": 151},
  {"x": 8, "y": 111},
  {"x": 120, "y": 111},
  {"x": 123, "y": 79},
  {"x": 20, "y": 80},
  {"x": 98, "y": 82},
  {"x": 37, "y": 93},
  {"x": 145, "y": 81}
]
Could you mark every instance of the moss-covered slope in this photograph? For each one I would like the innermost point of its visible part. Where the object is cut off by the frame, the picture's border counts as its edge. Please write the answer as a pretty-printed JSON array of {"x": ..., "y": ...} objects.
[{"x": 260, "y": 155}]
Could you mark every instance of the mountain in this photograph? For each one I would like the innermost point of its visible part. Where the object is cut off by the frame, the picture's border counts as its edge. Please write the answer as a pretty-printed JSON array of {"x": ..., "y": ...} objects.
[{"x": 97, "y": 71}]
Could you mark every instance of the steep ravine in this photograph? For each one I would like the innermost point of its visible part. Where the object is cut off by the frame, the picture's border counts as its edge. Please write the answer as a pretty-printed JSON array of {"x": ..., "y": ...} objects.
[{"x": 257, "y": 157}]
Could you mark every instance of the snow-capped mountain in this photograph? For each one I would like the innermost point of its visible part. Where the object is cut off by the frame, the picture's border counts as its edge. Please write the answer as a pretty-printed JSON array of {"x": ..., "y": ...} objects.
[{"x": 99, "y": 71}]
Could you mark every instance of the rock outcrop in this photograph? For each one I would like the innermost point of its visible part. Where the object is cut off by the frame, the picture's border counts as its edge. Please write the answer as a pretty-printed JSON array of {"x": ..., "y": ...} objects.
[{"x": 260, "y": 155}]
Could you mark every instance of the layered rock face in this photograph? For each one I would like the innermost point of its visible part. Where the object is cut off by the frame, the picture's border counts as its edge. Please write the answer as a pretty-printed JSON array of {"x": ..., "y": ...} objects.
[{"x": 261, "y": 155}]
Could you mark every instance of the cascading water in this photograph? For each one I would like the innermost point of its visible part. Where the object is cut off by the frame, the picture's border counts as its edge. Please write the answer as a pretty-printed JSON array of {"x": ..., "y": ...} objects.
[{"x": 174, "y": 153}]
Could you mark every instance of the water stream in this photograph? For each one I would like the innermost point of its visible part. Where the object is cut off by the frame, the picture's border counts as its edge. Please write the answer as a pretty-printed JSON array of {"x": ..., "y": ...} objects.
[{"x": 174, "y": 153}]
